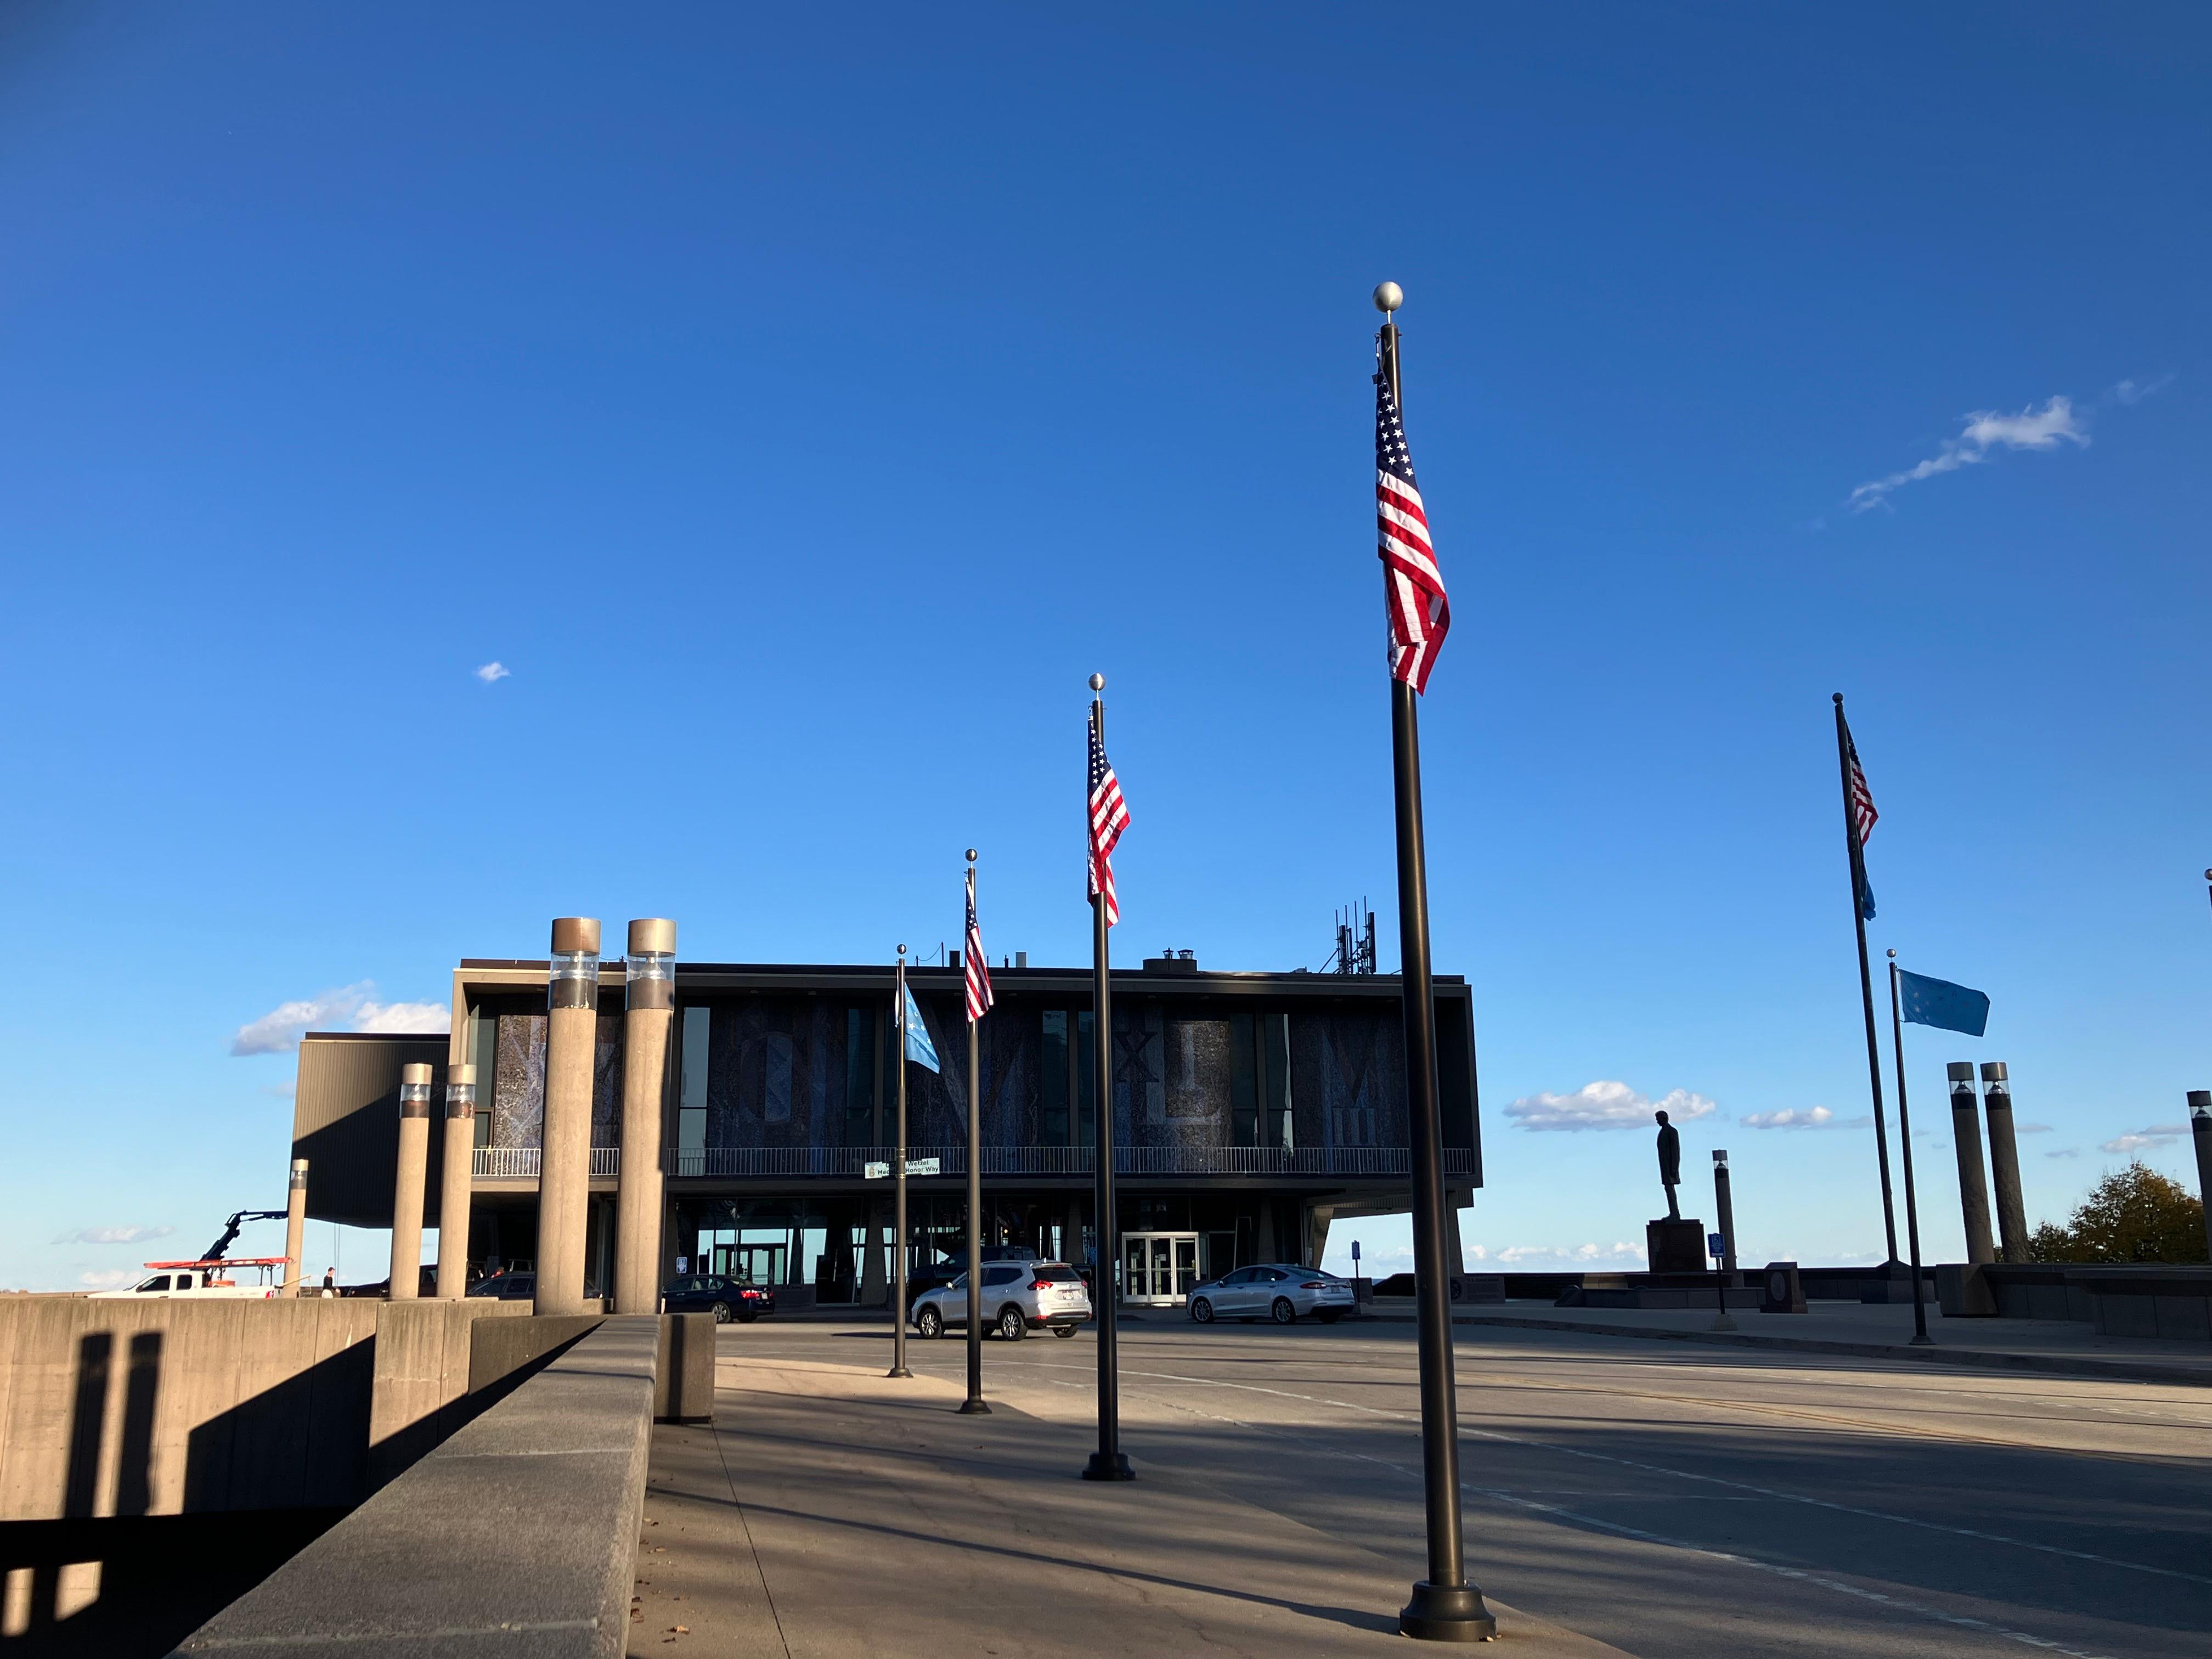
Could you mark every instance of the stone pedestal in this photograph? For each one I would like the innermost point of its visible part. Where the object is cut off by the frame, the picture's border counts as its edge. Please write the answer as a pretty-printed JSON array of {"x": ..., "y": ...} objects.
[{"x": 1674, "y": 1247}]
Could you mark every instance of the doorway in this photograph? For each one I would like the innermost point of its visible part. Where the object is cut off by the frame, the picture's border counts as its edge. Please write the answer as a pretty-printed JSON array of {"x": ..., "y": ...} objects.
[{"x": 1159, "y": 1269}]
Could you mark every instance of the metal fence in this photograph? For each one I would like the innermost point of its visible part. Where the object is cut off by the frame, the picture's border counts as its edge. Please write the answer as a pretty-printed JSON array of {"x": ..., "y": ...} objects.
[
  {"x": 852, "y": 1161},
  {"x": 521, "y": 1162}
]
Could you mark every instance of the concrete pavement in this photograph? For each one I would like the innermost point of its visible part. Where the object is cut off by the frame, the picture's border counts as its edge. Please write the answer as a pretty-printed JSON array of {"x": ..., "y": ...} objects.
[
  {"x": 1883, "y": 1331},
  {"x": 1672, "y": 1500},
  {"x": 833, "y": 1512}
]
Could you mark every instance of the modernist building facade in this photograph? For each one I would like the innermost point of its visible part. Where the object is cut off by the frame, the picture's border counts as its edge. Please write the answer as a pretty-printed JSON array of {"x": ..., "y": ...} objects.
[{"x": 1249, "y": 1109}]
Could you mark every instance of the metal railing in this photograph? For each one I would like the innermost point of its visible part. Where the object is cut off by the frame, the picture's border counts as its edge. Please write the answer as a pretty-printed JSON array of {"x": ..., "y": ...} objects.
[
  {"x": 521, "y": 1163},
  {"x": 851, "y": 1162}
]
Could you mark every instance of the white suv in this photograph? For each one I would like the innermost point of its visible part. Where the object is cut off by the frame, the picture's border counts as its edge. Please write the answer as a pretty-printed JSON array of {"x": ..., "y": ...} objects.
[{"x": 1018, "y": 1298}]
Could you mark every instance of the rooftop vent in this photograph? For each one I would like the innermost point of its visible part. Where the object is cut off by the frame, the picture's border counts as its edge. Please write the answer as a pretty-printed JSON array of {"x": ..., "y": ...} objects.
[{"x": 1172, "y": 961}]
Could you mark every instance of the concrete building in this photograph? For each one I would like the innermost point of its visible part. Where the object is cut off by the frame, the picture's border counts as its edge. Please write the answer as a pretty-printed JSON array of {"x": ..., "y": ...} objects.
[{"x": 1250, "y": 1108}]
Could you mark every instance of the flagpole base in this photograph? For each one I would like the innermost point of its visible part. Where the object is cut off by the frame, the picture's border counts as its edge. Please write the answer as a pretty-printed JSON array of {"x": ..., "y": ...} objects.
[
  {"x": 1100, "y": 1468},
  {"x": 1921, "y": 1342},
  {"x": 898, "y": 1371},
  {"x": 974, "y": 1409},
  {"x": 1723, "y": 1323},
  {"x": 1447, "y": 1614}
]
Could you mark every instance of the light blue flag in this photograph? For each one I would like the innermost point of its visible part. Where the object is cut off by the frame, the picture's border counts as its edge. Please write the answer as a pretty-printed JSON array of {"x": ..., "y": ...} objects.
[
  {"x": 1938, "y": 1002},
  {"x": 919, "y": 1049}
]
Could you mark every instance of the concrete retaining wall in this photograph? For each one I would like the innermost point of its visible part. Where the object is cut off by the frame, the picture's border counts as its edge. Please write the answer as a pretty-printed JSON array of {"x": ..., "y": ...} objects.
[
  {"x": 517, "y": 1534},
  {"x": 161, "y": 1408},
  {"x": 2119, "y": 1300}
]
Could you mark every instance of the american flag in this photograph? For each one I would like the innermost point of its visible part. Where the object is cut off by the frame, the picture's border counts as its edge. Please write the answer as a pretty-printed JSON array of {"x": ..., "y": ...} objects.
[
  {"x": 979, "y": 971},
  {"x": 1862, "y": 822},
  {"x": 1419, "y": 614},
  {"x": 1109, "y": 817},
  {"x": 1862, "y": 813}
]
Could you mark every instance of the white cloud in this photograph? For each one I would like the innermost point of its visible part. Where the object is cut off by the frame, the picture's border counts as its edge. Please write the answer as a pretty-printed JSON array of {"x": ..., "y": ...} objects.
[
  {"x": 2157, "y": 1135},
  {"x": 2134, "y": 391},
  {"x": 1984, "y": 432},
  {"x": 110, "y": 1278},
  {"x": 1790, "y": 1117},
  {"x": 353, "y": 1007},
  {"x": 2032, "y": 1128},
  {"x": 493, "y": 671},
  {"x": 113, "y": 1235},
  {"x": 1604, "y": 1105},
  {"x": 2064, "y": 1152},
  {"x": 1545, "y": 1255}
]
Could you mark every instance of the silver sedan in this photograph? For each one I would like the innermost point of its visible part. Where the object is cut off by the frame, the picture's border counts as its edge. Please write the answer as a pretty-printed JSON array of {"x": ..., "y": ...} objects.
[{"x": 1281, "y": 1291}]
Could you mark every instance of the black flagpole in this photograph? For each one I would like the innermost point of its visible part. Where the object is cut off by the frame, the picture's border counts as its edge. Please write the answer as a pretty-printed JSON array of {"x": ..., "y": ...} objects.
[
  {"x": 898, "y": 1179},
  {"x": 974, "y": 1402},
  {"x": 1866, "y": 978},
  {"x": 1920, "y": 1337},
  {"x": 1444, "y": 1607},
  {"x": 1107, "y": 1464}
]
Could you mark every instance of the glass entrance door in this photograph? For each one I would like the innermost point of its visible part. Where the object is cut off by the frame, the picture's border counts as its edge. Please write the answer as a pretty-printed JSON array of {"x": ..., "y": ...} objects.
[{"x": 1159, "y": 1269}]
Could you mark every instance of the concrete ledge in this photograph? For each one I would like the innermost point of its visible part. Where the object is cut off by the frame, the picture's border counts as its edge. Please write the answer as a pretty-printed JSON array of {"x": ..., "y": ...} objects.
[{"x": 518, "y": 1535}]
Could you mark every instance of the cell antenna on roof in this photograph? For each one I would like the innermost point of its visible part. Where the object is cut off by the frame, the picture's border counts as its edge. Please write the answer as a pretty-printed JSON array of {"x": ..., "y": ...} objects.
[{"x": 1355, "y": 941}]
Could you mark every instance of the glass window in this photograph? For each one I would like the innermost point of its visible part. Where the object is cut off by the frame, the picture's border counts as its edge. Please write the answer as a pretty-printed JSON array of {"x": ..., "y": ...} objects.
[
  {"x": 1086, "y": 1084},
  {"x": 859, "y": 1076},
  {"x": 775, "y": 1105},
  {"x": 1243, "y": 1081},
  {"x": 999, "y": 1276},
  {"x": 691, "y": 1091},
  {"x": 1277, "y": 1130},
  {"x": 1057, "y": 1274},
  {"x": 1053, "y": 1080},
  {"x": 159, "y": 1282}
]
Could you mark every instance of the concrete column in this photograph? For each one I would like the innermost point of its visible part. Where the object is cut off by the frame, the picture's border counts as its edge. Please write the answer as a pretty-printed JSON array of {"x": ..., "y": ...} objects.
[
  {"x": 295, "y": 1226},
  {"x": 1724, "y": 1210},
  {"x": 1973, "y": 1182},
  {"x": 564, "y": 1169},
  {"x": 454, "y": 1188},
  {"x": 2200, "y": 1131},
  {"x": 2004, "y": 1161},
  {"x": 649, "y": 990},
  {"x": 409, "y": 1182}
]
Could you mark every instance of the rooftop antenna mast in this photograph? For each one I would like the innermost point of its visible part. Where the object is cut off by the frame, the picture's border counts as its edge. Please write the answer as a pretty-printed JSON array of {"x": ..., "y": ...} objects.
[{"x": 1355, "y": 941}]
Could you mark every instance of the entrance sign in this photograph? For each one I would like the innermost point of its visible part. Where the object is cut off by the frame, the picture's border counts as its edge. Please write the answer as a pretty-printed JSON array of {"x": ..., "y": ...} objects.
[{"x": 921, "y": 1166}]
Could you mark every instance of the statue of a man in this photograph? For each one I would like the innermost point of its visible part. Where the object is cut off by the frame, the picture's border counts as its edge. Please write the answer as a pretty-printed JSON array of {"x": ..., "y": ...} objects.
[{"x": 1670, "y": 1164}]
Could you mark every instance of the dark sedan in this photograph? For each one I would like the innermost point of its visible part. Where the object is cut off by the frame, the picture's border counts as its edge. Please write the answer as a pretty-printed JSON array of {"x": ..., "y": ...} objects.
[{"x": 726, "y": 1298}]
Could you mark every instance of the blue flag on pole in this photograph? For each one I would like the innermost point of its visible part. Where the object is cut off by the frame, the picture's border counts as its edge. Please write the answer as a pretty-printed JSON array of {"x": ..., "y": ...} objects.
[
  {"x": 1940, "y": 1003},
  {"x": 919, "y": 1047}
]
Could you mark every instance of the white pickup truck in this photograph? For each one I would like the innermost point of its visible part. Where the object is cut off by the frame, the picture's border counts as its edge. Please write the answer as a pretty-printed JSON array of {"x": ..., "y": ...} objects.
[{"x": 202, "y": 1281}]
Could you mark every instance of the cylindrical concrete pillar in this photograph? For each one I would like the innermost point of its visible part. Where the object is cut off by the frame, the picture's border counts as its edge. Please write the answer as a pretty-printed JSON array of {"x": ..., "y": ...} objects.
[
  {"x": 2200, "y": 1131},
  {"x": 295, "y": 1226},
  {"x": 564, "y": 1167},
  {"x": 408, "y": 1183},
  {"x": 1973, "y": 1182},
  {"x": 2004, "y": 1161},
  {"x": 1724, "y": 1209},
  {"x": 453, "y": 1183},
  {"x": 649, "y": 990}
]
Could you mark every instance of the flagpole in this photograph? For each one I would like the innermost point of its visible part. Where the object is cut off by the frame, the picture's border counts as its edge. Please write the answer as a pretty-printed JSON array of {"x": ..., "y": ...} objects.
[
  {"x": 973, "y": 1405},
  {"x": 1444, "y": 1605},
  {"x": 1920, "y": 1337},
  {"x": 1866, "y": 978},
  {"x": 1107, "y": 1463},
  {"x": 899, "y": 1181}
]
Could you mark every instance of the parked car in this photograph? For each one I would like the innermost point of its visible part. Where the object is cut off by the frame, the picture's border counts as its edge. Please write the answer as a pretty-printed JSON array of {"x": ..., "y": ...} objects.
[
  {"x": 725, "y": 1297},
  {"x": 1018, "y": 1298},
  {"x": 1273, "y": 1290},
  {"x": 201, "y": 1283}
]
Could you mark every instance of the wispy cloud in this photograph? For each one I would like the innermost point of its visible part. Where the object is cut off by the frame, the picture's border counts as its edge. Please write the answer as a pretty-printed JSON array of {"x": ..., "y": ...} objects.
[
  {"x": 113, "y": 1235},
  {"x": 109, "y": 1278},
  {"x": 354, "y": 1007},
  {"x": 1603, "y": 1105},
  {"x": 2134, "y": 391},
  {"x": 1805, "y": 1117},
  {"x": 1986, "y": 432},
  {"x": 1539, "y": 1255},
  {"x": 2032, "y": 1128},
  {"x": 2158, "y": 1134},
  {"x": 2064, "y": 1152},
  {"x": 493, "y": 671}
]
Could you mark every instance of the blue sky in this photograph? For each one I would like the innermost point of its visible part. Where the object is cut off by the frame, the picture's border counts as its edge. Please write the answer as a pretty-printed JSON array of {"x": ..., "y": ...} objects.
[{"x": 798, "y": 407}]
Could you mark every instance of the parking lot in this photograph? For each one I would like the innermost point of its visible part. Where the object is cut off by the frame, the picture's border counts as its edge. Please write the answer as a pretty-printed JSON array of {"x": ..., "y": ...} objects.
[{"x": 1661, "y": 1498}]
